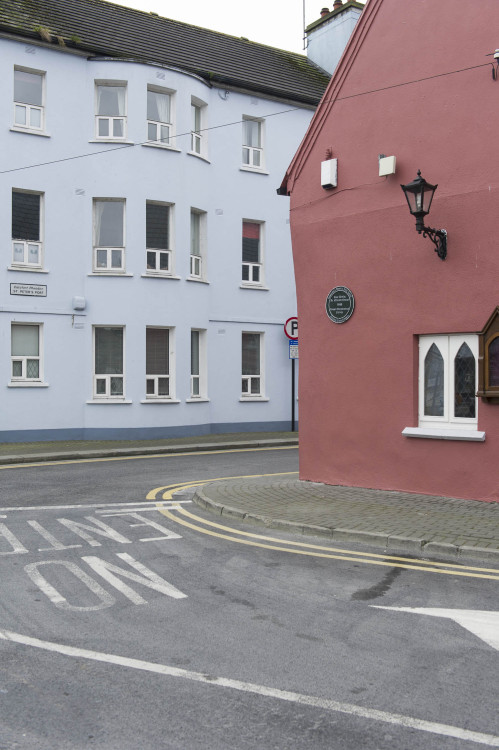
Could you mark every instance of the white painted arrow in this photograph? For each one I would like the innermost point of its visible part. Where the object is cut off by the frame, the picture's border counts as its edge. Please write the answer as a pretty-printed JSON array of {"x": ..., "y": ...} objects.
[{"x": 482, "y": 623}]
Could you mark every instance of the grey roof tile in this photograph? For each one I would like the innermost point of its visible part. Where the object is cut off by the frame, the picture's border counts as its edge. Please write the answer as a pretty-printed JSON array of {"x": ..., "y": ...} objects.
[{"x": 105, "y": 29}]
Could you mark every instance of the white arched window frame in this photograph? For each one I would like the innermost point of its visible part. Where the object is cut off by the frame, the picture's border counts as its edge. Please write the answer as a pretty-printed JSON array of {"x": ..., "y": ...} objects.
[{"x": 448, "y": 346}]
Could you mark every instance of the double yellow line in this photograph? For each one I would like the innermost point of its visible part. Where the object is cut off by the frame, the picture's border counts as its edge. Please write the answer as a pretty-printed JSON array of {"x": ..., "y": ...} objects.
[{"x": 178, "y": 514}]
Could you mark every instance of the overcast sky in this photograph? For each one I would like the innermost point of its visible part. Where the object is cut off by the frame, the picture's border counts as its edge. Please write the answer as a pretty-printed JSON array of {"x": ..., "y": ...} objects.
[{"x": 278, "y": 23}]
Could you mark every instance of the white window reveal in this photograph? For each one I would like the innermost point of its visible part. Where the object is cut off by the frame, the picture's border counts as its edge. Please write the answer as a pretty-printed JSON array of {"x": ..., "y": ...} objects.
[
  {"x": 158, "y": 250},
  {"x": 251, "y": 385},
  {"x": 158, "y": 363},
  {"x": 110, "y": 119},
  {"x": 28, "y": 99},
  {"x": 109, "y": 376},
  {"x": 252, "y": 143},
  {"x": 109, "y": 235},
  {"x": 448, "y": 370},
  {"x": 159, "y": 118},
  {"x": 252, "y": 267},
  {"x": 25, "y": 353},
  {"x": 26, "y": 229}
]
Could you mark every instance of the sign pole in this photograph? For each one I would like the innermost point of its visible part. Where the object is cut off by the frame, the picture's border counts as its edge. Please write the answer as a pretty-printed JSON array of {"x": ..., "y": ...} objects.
[
  {"x": 291, "y": 331},
  {"x": 293, "y": 396}
]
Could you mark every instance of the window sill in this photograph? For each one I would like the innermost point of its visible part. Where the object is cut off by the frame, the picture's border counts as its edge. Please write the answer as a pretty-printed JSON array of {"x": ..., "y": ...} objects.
[
  {"x": 26, "y": 268},
  {"x": 196, "y": 280},
  {"x": 28, "y": 131},
  {"x": 109, "y": 401},
  {"x": 444, "y": 434},
  {"x": 199, "y": 156},
  {"x": 110, "y": 273},
  {"x": 160, "y": 401},
  {"x": 27, "y": 384},
  {"x": 253, "y": 398},
  {"x": 163, "y": 147},
  {"x": 255, "y": 170},
  {"x": 160, "y": 276},
  {"x": 123, "y": 141},
  {"x": 260, "y": 287},
  {"x": 200, "y": 400}
]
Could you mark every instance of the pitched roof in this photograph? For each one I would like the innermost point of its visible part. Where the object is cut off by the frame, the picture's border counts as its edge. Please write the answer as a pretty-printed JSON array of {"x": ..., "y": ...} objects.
[{"x": 100, "y": 28}]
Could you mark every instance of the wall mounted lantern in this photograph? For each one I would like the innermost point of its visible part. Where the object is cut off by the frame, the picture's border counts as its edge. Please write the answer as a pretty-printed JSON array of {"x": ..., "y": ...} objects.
[{"x": 419, "y": 194}]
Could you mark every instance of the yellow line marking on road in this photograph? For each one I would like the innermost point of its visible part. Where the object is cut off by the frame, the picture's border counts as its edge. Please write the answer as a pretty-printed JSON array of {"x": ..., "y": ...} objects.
[
  {"x": 349, "y": 557},
  {"x": 185, "y": 512},
  {"x": 143, "y": 457}
]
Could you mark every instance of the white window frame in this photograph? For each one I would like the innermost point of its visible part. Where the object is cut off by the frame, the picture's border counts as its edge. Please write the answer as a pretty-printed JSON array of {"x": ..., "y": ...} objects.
[
  {"x": 198, "y": 137},
  {"x": 164, "y": 131},
  {"x": 25, "y": 359},
  {"x": 162, "y": 252},
  {"x": 109, "y": 252},
  {"x": 253, "y": 157},
  {"x": 107, "y": 378},
  {"x": 111, "y": 119},
  {"x": 248, "y": 381},
  {"x": 199, "y": 381},
  {"x": 27, "y": 245},
  {"x": 170, "y": 376},
  {"x": 448, "y": 345},
  {"x": 197, "y": 261},
  {"x": 30, "y": 109},
  {"x": 251, "y": 267}
]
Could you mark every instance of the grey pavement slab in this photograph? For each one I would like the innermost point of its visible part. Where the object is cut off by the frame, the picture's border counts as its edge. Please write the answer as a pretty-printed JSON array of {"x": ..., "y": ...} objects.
[{"x": 421, "y": 525}]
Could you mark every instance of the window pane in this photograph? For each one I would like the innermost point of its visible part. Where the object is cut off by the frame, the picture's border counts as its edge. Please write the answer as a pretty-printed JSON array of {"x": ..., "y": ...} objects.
[
  {"x": 111, "y": 100},
  {"x": 25, "y": 216},
  {"x": 251, "y": 133},
  {"x": 150, "y": 387},
  {"x": 118, "y": 128},
  {"x": 108, "y": 351},
  {"x": 158, "y": 106},
  {"x": 494, "y": 363},
  {"x": 464, "y": 383},
  {"x": 157, "y": 351},
  {"x": 101, "y": 258},
  {"x": 116, "y": 386},
  {"x": 27, "y": 87},
  {"x": 32, "y": 368},
  {"x": 18, "y": 252},
  {"x": 163, "y": 387},
  {"x": 35, "y": 118},
  {"x": 251, "y": 354},
  {"x": 20, "y": 115},
  {"x": 17, "y": 369},
  {"x": 151, "y": 131},
  {"x": 194, "y": 352},
  {"x": 103, "y": 128},
  {"x": 151, "y": 260},
  {"x": 163, "y": 262},
  {"x": 157, "y": 226},
  {"x": 25, "y": 341},
  {"x": 196, "y": 118},
  {"x": 251, "y": 242},
  {"x": 100, "y": 387},
  {"x": 434, "y": 383},
  {"x": 109, "y": 223},
  {"x": 33, "y": 253},
  {"x": 116, "y": 258}
]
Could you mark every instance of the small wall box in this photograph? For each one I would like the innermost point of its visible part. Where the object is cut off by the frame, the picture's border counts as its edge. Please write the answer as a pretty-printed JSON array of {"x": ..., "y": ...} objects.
[
  {"x": 329, "y": 174},
  {"x": 387, "y": 165}
]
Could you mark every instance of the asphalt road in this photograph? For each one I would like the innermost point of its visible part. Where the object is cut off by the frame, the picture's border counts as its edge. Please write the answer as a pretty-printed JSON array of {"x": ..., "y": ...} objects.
[{"x": 125, "y": 625}]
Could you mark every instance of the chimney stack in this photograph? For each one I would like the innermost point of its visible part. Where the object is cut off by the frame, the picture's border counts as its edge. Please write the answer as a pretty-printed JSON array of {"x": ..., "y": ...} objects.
[
  {"x": 337, "y": 4},
  {"x": 324, "y": 12}
]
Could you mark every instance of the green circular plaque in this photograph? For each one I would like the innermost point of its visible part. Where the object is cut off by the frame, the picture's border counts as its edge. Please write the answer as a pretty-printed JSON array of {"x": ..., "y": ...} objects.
[{"x": 340, "y": 304}]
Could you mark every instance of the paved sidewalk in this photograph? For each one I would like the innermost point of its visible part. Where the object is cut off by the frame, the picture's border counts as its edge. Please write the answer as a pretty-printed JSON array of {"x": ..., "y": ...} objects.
[
  {"x": 395, "y": 522},
  {"x": 15, "y": 453}
]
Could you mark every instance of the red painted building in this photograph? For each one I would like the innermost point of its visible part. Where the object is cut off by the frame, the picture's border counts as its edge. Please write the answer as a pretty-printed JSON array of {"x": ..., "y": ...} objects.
[{"x": 404, "y": 393}]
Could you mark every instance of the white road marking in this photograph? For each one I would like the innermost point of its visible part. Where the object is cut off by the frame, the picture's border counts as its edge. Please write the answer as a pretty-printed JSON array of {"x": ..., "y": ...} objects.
[
  {"x": 482, "y": 623},
  {"x": 408, "y": 722},
  {"x": 92, "y": 506}
]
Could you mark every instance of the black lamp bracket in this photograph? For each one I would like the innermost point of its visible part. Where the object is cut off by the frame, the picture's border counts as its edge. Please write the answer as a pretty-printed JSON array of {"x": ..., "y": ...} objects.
[{"x": 439, "y": 239}]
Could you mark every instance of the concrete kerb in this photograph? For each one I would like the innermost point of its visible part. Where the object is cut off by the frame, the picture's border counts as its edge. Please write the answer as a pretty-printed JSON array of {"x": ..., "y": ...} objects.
[
  {"x": 389, "y": 544},
  {"x": 145, "y": 451}
]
